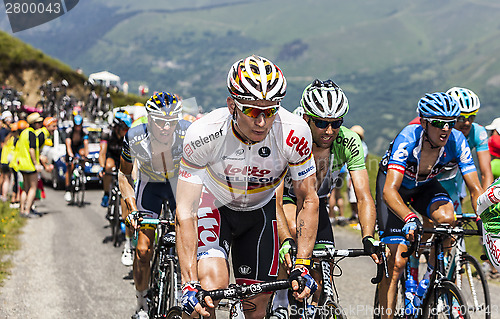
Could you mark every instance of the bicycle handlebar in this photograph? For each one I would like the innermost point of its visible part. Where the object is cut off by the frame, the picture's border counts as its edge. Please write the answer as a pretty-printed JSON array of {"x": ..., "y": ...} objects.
[
  {"x": 236, "y": 291},
  {"x": 332, "y": 253},
  {"x": 452, "y": 231}
]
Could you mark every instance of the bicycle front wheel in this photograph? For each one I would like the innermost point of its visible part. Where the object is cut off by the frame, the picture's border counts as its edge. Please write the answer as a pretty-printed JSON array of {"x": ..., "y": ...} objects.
[
  {"x": 81, "y": 193},
  {"x": 447, "y": 302},
  {"x": 330, "y": 310},
  {"x": 472, "y": 282}
]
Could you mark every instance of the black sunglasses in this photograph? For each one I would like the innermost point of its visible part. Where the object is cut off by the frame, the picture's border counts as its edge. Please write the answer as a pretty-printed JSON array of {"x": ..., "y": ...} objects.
[{"x": 324, "y": 124}]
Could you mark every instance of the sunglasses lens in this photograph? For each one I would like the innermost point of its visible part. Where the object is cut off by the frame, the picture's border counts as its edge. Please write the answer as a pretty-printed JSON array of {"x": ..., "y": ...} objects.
[
  {"x": 255, "y": 112},
  {"x": 463, "y": 118},
  {"x": 442, "y": 124},
  {"x": 324, "y": 124}
]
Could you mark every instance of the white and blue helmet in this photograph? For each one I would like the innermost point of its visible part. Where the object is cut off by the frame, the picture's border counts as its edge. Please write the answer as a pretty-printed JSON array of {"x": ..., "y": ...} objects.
[{"x": 466, "y": 99}]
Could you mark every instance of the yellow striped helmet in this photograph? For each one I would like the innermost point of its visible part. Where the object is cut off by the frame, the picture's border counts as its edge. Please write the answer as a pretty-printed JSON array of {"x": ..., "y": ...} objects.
[{"x": 256, "y": 78}]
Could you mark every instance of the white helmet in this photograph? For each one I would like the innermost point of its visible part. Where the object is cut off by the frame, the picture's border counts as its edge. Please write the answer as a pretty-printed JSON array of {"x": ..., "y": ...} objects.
[
  {"x": 324, "y": 99},
  {"x": 256, "y": 78},
  {"x": 299, "y": 111},
  {"x": 466, "y": 99}
]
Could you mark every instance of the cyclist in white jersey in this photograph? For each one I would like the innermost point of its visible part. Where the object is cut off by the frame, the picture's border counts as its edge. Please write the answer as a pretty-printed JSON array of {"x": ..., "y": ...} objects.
[
  {"x": 233, "y": 159},
  {"x": 477, "y": 138}
]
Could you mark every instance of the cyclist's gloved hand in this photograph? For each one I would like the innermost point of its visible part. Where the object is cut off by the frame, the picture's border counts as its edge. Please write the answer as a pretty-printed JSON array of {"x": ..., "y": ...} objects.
[
  {"x": 130, "y": 221},
  {"x": 304, "y": 278},
  {"x": 369, "y": 244},
  {"x": 411, "y": 223},
  {"x": 189, "y": 300},
  {"x": 288, "y": 247}
]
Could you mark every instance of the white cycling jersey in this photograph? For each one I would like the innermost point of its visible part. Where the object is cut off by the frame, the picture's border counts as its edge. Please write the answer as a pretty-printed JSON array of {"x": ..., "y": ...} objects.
[{"x": 244, "y": 176}]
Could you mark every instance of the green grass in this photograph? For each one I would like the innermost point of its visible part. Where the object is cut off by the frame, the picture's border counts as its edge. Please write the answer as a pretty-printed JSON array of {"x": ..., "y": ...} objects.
[{"x": 10, "y": 227}]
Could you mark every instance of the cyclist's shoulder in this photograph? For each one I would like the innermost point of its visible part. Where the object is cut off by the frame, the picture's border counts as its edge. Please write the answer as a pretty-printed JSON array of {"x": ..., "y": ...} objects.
[
  {"x": 182, "y": 126},
  {"x": 347, "y": 141},
  {"x": 478, "y": 133},
  {"x": 212, "y": 125},
  {"x": 136, "y": 134}
]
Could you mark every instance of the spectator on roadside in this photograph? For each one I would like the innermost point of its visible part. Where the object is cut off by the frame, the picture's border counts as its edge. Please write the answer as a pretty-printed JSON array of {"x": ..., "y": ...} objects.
[
  {"x": 28, "y": 158},
  {"x": 494, "y": 146},
  {"x": 351, "y": 196}
]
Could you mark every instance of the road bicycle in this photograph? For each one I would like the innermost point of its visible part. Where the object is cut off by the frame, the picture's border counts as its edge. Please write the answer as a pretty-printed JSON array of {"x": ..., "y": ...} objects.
[
  {"x": 78, "y": 181},
  {"x": 326, "y": 261},
  {"x": 466, "y": 272},
  {"x": 165, "y": 281},
  {"x": 442, "y": 299},
  {"x": 114, "y": 212}
]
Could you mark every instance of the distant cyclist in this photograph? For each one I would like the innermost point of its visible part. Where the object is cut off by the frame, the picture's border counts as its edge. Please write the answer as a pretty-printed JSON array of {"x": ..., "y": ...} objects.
[
  {"x": 77, "y": 145},
  {"x": 111, "y": 149},
  {"x": 408, "y": 177},
  {"x": 156, "y": 149},
  {"x": 234, "y": 158},
  {"x": 477, "y": 138}
]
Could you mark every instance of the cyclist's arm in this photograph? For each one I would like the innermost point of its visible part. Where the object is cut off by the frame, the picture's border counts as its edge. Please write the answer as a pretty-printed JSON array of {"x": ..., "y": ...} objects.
[
  {"x": 475, "y": 189},
  {"x": 283, "y": 230},
  {"x": 366, "y": 205},
  {"x": 188, "y": 197},
  {"x": 307, "y": 215},
  {"x": 484, "y": 159},
  {"x": 86, "y": 148},
  {"x": 69, "y": 151},
  {"x": 127, "y": 184},
  {"x": 102, "y": 152},
  {"x": 391, "y": 194}
]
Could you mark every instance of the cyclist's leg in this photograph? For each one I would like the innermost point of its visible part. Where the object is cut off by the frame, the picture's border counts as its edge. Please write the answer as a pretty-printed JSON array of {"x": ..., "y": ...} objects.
[
  {"x": 110, "y": 163},
  {"x": 390, "y": 231},
  {"x": 214, "y": 241},
  {"x": 149, "y": 202},
  {"x": 255, "y": 252},
  {"x": 432, "y": 201}
]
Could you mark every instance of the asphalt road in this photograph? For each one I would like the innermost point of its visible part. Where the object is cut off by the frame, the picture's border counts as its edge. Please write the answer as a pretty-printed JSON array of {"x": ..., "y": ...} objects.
[{"x": 66, "y": 268}]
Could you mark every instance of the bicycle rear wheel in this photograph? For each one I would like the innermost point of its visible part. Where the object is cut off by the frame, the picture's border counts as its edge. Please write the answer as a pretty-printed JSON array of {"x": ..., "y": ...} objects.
[
  {"x": 474, "y": 287},
  {"x": 447, "y": 302}
]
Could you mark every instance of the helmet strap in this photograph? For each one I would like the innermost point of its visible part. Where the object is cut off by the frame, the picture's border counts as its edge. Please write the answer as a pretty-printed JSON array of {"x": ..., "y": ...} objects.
[
  {"x": 426, "y": 136},
  {"x": 241, "y": 134}
]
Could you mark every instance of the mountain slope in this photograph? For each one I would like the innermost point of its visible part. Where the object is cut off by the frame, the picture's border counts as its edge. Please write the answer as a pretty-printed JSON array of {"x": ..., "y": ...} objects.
[{"x": 385, "y": 54}]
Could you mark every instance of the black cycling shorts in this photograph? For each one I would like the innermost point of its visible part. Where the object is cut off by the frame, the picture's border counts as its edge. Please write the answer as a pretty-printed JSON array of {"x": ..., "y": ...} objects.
[
  {"x": 420, "y": 198},
  {"x": 251, "y": 236}
]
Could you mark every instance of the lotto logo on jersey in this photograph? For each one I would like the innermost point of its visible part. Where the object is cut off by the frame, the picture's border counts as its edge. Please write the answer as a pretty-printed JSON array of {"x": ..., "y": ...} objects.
[
  {"x": 184, "y": 174},
  {"x": 246, "y": 170},
  {"x": 492, "y": 244},
  {"x": 301, "y": 144},
  {"x": 208, "y": 226}
]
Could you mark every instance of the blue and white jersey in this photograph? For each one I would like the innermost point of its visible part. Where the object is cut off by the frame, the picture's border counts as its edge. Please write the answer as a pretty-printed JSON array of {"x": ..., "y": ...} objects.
[
  {"x": 137, "y": 145},
  {"x": 403, "y": 155},
  {"x": 451, "y": 179}
]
